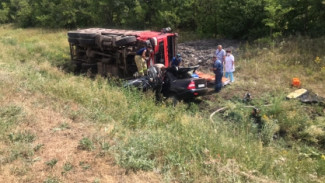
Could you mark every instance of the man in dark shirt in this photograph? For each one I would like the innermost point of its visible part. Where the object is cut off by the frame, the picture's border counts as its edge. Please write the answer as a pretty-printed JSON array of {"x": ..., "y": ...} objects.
[
  {"x": 218, "y": 71},
  {"x": 176, "y": 60}
]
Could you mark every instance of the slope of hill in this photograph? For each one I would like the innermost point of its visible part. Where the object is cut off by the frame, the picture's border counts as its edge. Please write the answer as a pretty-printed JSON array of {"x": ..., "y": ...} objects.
[{"x": 58, "y": 127}]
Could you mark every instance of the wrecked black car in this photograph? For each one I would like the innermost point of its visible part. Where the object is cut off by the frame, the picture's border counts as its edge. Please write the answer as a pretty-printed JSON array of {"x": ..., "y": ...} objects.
[{"x": 177, "y": 83}]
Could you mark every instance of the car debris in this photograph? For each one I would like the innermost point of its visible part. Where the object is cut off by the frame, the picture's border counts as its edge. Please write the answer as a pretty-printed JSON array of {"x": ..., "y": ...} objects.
[
  {"x": 296, "y": 93},
  {"x": 306, "y": 96}
]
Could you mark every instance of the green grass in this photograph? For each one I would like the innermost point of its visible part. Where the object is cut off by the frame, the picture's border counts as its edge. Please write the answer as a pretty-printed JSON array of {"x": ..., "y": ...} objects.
[
  {"x": 9, "y": 116},
  {"x": 51, "y": 179},
  {"x": 181, "y": 143},
  {"x": 51, "y": 163},
  {"x": 86, "y": 144}
]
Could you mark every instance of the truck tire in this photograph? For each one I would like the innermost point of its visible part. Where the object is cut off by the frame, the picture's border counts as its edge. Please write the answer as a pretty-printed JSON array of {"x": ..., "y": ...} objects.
[
  {"x": 102, "y": 41},
  {"x": 87, "y": 42},
  {"x": 73, "y": 40},
  {"x": 88, "y": 66},
  {"x": 73, "y": 34},
  {"x": 126, "y": 40},
  {"x": 87, "y": 35}
]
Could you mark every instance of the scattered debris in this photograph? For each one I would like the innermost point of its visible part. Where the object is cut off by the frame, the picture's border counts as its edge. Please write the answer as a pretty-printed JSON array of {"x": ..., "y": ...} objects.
[
  {"x": 306, "y": 96},
  {"x": 247, "y": 98},
  {"x": 311, "y": 97},
  {"x": 257, "y": 117},
  {"x": 297, "y": 93}
]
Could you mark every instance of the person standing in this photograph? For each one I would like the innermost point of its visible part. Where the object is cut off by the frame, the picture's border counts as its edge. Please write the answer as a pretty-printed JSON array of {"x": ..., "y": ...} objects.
[
  {"x": 229, "y": 65},
  {"x": 218, "y": 71},
  {"x": 140, "y": 60},
  {"x": 220, "y": 53}
]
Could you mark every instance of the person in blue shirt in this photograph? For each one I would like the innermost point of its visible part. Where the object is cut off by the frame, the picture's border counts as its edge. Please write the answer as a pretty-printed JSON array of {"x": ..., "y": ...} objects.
[
  {"x": 221, "y": 54},
  {"x": 176, "y": 60},
  {"x": 218, "y": 71}
]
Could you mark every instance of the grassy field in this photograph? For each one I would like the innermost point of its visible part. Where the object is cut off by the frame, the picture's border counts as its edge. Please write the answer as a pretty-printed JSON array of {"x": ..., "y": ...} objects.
[{"x": 58, "y": 127}]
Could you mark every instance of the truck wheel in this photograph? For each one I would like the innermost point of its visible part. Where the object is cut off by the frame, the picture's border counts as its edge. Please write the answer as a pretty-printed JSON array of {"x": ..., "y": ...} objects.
[
  {"x": 126, "y": 40},
  {"x": 73, "y": 34},
  {"x": 87, "y": 35},
  {"x": 87, "y": 42},
  {"x": 73, "y": 40}
]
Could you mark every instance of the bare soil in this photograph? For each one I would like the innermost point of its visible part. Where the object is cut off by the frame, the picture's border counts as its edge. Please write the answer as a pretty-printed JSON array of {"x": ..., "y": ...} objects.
[{"x": 200, "y": 52}]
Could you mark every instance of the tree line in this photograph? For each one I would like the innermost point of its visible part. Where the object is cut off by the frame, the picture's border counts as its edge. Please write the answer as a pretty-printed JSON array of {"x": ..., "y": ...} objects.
[{"x": 241, "y": 19}]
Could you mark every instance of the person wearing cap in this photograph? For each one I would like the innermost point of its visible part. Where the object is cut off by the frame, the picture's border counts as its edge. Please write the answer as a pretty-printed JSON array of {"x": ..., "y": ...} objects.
[
  {"x": 140, "y": 60},
  {"x": 218, "y": 71},
  {"x": 176, "y": 61},
  {"x": 229, "y": 66},
  {"x": 220, "y": 53}
]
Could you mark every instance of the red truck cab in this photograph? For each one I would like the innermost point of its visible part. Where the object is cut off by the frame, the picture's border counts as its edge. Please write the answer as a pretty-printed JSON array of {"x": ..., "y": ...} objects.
[{"x": 164, "y": 47}]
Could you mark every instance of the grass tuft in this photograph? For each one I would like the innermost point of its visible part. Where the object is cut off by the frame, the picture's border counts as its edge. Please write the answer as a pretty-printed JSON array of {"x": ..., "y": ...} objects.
[
  {"x": 51, "y": 163},
  {"x": 86, "y": 144}
]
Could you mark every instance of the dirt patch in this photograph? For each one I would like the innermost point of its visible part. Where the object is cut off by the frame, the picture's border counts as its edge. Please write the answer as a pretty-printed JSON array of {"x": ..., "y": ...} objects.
[{"x": 200, "y": 52}]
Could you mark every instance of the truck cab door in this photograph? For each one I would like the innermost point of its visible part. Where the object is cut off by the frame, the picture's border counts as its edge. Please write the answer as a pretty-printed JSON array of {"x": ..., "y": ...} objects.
[
  {"x": 171, "y": 48},
  {"x": 160, "y": 54},
  {"x": 166, "y": 50}
]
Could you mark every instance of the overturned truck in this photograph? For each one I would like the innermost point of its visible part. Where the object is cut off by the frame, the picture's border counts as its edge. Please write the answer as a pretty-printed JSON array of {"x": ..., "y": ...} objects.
[{"x": 111, "y": 52}]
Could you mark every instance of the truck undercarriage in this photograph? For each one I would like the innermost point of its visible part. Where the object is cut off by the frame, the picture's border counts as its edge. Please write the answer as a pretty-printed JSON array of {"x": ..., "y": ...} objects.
[{"x": 110, "y": 52}]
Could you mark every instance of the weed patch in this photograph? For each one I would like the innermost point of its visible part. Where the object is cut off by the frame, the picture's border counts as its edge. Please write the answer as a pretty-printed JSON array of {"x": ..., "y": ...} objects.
[
  {"x": 52, "y": 179},
  {"x": 84, "y": 165},
  {"x": 51, "y": 163},
  {"x": 9, "y": 117},
  {"x": 24, "y": 136},
  {"x": 86, "y": 144}
]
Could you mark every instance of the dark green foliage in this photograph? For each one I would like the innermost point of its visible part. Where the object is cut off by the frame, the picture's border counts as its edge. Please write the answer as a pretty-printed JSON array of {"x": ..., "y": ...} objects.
[{"x": 245, "y": 19}]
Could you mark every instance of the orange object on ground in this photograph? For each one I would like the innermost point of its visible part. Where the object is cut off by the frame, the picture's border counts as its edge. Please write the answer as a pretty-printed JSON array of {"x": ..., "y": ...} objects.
[
  {"x": 210, "y": 78},
  {"x": 296, "y": 82}
]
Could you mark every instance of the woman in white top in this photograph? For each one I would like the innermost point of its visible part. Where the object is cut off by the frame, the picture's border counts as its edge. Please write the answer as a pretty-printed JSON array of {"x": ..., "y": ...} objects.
[{"x": 229, "y": 65}]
